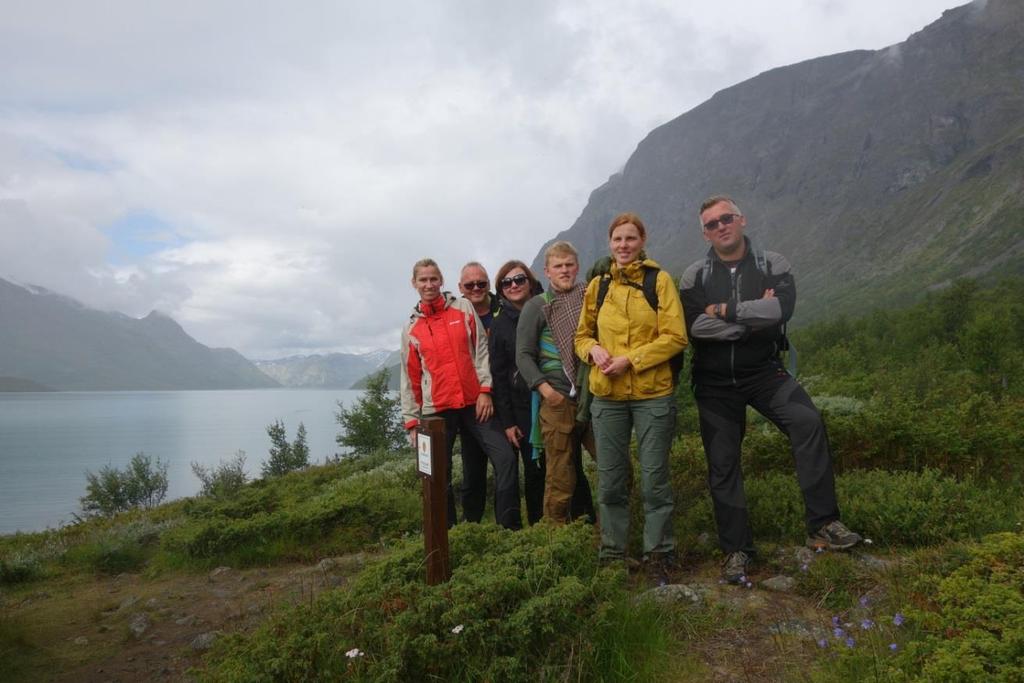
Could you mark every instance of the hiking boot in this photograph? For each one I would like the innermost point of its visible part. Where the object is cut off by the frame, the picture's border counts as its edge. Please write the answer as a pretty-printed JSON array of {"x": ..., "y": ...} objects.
[
  {"x": 658, "y": 566},
  {"x": 834, "y": 536},
  {"x": 734, "y": 569}
]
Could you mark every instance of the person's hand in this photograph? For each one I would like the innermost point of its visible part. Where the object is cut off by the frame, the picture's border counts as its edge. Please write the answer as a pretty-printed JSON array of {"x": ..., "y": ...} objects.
[
  {"x": 709, "y": 311},
  {"x": 513, "y": 434},
  {"x": 412, "y": 437},
  {"x": 484, "y": 407},
  {"x": 616, "y": 366},
  {"x": 768, "y": 294},
  {"x": 600, "y": 357},
  {"x": 550, "y": 396}
]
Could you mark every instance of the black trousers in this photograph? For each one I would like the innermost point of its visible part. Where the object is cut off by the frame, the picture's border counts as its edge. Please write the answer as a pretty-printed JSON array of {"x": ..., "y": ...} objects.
[
  {"x": 723, "y": 421},
  {"x": 473, "y": 492},
  {"x": 492, "y": 442}
]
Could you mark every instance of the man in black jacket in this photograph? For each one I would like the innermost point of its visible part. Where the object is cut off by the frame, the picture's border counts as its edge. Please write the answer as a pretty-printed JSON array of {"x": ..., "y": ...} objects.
[{"x": 736, "y": 301}]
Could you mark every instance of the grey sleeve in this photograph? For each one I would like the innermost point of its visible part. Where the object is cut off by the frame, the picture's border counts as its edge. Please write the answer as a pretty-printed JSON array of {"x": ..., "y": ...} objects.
[
  {"x": 715, "y": 329},
  {"x": 759, "y": 313},
  {"x": 528, "y": 342}
]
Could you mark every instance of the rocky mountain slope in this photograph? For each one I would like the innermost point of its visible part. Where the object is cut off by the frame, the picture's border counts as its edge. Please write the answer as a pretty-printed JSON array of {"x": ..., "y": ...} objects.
[
  {"x": 330, "y": 371},
  {"x": 57, "y": 342},
  {"x": 880, "y": 174}
]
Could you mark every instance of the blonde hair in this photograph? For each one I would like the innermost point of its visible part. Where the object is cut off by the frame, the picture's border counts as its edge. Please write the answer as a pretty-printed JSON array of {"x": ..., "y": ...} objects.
[
  {"x": 425, "y": 263},
  {"x": 560, "y": 248}
]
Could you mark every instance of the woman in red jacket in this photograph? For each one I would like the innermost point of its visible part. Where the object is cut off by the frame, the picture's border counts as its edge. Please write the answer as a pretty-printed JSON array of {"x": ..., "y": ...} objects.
[{"x": 446, "y": 373}]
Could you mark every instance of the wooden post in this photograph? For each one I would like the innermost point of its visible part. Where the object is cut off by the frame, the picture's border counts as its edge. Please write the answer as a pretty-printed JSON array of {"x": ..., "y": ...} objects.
[{"x": 433, "y": 467}]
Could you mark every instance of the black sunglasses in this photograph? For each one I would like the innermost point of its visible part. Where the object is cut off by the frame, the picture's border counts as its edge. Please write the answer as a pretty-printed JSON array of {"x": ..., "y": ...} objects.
[
  {"x": 518, "y": 280},
  {"x": 479, "y": 284},
  {"x": 724, "y": 219}
]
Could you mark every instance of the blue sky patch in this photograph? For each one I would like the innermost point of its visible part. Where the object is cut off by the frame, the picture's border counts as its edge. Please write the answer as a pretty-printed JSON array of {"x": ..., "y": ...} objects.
[{"x": 138, "y": 234}]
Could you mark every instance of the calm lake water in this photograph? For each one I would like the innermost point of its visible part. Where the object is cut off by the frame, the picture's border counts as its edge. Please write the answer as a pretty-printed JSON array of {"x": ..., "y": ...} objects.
[{"x": 49, "y": 440}]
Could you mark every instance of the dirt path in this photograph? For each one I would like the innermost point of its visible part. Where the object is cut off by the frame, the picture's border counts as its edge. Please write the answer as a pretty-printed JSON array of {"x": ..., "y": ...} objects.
[{"x": 131, "y": 628}]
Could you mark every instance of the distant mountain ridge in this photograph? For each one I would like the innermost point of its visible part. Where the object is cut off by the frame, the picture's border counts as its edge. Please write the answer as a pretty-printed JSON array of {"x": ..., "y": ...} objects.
[
  {"x": 330, "y": 371},
  {"x": 57, "y": 342},
  {"x": 880, "y": 174}
]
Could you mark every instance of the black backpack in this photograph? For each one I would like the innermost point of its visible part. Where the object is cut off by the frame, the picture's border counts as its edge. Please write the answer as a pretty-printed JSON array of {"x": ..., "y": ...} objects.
[{"x": 650, "y": 290}]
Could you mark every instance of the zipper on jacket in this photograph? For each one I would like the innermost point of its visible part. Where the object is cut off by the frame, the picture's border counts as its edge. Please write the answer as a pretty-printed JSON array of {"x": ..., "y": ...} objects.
[{"x": 734, "y": 279}]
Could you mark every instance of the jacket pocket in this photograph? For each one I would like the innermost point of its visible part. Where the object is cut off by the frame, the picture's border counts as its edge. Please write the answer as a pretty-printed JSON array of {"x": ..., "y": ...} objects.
[{"x": 654, "y": 380}]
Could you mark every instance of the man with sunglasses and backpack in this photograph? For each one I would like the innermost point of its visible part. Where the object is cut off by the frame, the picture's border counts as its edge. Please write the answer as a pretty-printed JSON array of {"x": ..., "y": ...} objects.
[{"x": 737, "y": 301}]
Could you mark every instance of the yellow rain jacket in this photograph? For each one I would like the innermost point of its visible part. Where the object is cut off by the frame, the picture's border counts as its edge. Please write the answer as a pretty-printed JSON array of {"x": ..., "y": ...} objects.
[{"x": 627, "y": 326}]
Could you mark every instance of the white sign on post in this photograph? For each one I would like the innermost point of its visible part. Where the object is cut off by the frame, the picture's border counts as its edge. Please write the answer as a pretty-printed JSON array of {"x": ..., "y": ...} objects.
[{"x": 423, "y": 452}]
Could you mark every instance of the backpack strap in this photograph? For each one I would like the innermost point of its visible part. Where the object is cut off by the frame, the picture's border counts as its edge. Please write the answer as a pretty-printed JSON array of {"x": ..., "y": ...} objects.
[
  {"x": 602, "y": 290},
  {"x": 651, "y": 287}
]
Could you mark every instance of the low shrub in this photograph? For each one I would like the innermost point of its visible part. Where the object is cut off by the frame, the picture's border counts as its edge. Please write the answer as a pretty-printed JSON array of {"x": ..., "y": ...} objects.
[
  {"x": 524, "y": 606},
  {"x": 964, "y": 626},
  {"x": 339, "y": 508},
  {"x": 224, "y": 480},
  {"x": 894, "y": 508},
  {"x": 117, "y": 548}
]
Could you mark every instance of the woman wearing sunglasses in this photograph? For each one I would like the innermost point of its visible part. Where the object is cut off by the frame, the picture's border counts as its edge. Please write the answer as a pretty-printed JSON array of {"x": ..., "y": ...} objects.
[
  {"x": 446, "y": 373},
  {"x": 515, "y": 285},
  {"x": 629, "y": 335}
]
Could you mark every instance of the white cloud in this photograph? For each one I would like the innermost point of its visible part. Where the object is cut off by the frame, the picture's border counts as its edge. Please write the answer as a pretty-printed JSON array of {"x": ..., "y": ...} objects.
[{"x": 301, "y": 157}]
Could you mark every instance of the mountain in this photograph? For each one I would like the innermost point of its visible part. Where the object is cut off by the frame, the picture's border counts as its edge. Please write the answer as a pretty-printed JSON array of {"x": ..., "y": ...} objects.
[
  {"x": 392, "y": 361},
  {"x": 58, "y": 342},
  {"x": 880, "y": 174},
  {"x": 331, "y": 371}
]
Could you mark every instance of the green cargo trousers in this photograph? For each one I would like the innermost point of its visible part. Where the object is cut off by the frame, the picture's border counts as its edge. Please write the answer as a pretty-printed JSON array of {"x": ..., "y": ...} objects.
[{"x": 614, "y": 421}]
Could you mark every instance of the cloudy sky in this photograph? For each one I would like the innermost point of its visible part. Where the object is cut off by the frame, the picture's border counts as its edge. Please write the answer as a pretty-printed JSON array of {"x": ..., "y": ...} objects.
[{"x": 267, "y": 173}]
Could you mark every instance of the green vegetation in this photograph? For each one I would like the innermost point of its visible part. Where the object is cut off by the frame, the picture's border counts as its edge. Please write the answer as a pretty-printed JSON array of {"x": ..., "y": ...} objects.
[
  {"x": 336, "y": 508},
  {"x": 285, "y": 457},
  {"x": 527, "y": 606},
  {"x": 142, "y": 484},
  {"x": 224, "y": 480},
  {"x": 374, "y": 423}
]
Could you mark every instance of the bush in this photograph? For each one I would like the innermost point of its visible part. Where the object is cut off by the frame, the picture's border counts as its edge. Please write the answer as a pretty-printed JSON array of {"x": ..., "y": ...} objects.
[
  {"x": 977, "y": 632},
  {"x": 224, "y": 480},
  {"x": 897, "y": 508},
  {"x": 524, "y": 606},
  {"x": 20, "y": 567},
  {"x": 334, "y": 508},
  {"x": 285, "y": 457},
  {"x": 964, "y": 621},
  {"x": 375, "y": 422},
  {"x": 116, "y": 549},
  {"x": 141, "y": 484}
]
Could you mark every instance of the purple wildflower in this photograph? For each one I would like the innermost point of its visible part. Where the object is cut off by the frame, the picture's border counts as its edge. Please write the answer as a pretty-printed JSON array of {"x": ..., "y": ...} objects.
[
  {"x": 867, "y": 624},
  {"x": 850, "y": 642},
  {"x": 898, "y": 619},
  {"x": 838, "y": 632},
  {"x": 835, "y": 620},
  {"x": 863, "y": 601},
  {"x": 893, "y": 647},
  {"x": 822, "y": 643}
]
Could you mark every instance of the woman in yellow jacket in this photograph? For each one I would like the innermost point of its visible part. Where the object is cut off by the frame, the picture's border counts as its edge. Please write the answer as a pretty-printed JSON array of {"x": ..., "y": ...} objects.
[{"x": 629, "y": 344}]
